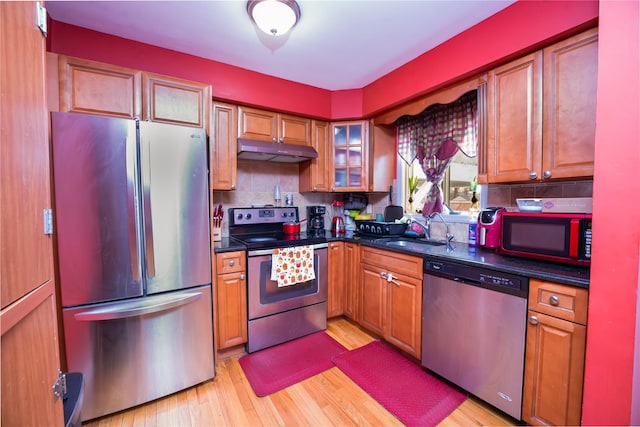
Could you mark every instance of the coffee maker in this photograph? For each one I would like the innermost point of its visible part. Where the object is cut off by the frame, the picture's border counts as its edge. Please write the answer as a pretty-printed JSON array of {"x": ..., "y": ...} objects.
[{"x": 315, "y": 220}]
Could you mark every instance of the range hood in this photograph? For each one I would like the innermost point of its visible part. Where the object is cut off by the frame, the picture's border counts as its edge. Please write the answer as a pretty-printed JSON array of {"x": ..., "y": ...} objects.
[{"x": 251, "y": 149}]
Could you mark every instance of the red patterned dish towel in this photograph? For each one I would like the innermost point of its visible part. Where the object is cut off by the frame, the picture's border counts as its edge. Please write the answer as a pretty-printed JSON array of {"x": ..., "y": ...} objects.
[{"x": 292, "y": 265}]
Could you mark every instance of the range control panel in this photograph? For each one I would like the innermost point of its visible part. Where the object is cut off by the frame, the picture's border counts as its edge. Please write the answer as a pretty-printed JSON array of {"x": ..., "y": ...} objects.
[{"x": 264, "y": 215}]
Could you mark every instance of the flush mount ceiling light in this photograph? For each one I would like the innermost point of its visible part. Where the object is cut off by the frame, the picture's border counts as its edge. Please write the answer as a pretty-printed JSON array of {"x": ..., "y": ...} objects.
[{"x": 274, "y": 17}]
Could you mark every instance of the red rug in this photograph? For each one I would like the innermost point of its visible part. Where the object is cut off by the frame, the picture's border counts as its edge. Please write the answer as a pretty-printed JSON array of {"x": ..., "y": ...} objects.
[
  {"x": 414, "y": 396},
  {"x": 275, "y": 368}
]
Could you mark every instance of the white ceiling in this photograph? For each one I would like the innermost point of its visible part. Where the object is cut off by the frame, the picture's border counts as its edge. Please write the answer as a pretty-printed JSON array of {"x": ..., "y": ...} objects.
[{"x": 338, "y": 44}]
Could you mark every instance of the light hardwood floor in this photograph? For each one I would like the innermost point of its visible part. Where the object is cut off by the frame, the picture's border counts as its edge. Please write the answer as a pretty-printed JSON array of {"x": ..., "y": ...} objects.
[{"x": 327, "y": 399}]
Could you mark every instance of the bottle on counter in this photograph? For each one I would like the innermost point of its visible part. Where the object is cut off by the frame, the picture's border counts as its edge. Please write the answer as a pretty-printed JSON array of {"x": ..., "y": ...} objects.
[{"x": 473, "y": 229}]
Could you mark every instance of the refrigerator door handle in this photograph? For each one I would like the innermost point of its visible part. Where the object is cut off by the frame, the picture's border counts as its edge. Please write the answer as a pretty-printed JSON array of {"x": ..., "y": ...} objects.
[
  {"x": 125, "y": 309},
  {"x": 133, "y": 213},
  {"x": 145, "y": 154}
]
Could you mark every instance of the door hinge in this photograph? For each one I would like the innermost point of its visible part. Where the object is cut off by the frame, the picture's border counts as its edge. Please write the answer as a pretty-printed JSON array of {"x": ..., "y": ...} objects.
[
  {"x": 60, "y": 386},
  {"x": 41, "y": 18},
  {"x": 48, "y": 221}
]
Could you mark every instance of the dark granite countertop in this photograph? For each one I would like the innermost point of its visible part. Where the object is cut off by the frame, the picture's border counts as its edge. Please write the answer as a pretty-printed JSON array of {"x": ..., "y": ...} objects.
[{"x": 465, "y": 254}]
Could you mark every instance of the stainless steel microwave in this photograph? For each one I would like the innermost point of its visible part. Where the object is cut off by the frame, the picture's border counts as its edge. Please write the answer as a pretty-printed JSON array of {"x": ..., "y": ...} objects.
[{"x": 564, "y": 238}]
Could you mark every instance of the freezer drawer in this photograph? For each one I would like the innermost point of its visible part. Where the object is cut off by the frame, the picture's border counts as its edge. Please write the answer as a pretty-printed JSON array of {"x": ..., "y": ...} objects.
[{"x": 134, "y": 351}]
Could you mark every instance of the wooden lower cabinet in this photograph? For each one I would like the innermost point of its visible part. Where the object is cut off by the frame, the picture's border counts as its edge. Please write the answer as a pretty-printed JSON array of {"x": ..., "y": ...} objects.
[
  {"x": 230, "y": 309},
  {"x": 391, "y": 298},
  {"x": 336, "y": 279},
  {"x": 352, "y": 282},
  {"x": 554, "y": 360}
]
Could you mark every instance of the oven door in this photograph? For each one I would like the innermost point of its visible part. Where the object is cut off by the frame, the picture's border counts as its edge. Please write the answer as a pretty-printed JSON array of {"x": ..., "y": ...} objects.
[{"x": 266, "y": 298}]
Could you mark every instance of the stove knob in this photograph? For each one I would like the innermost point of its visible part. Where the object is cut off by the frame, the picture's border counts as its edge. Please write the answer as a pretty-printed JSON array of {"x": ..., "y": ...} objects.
[
  {"x": 239, "y": 216},
  {"x": 284, "y": 214},
  {"x": 248, "y": 216}
]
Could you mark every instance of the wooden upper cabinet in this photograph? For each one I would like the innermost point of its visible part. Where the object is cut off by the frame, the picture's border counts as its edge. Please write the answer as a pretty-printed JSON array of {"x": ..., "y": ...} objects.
[
  {"x": 541, "y": 112},
  {"x": 270, "y": 126},
  {"x": 383, "y": 159},
  {"x": 96, "y": 88},
  {"x": 569, "y": 120},
  {"x": 176, "y": 101},
  {"x": 349, "y": 156},
  {"x": 514, "y": 145},
  {"x": 223, "y": 159},
  {"x": 314, "y": 174}
]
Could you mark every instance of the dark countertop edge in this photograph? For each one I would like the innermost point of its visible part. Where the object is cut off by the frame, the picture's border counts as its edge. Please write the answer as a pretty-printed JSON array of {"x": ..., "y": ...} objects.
[{"x": 464, "y": 254}]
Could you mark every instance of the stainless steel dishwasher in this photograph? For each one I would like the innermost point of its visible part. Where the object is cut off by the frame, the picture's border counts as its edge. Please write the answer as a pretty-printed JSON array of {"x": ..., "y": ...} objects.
[{"x": 473, "y": 330}]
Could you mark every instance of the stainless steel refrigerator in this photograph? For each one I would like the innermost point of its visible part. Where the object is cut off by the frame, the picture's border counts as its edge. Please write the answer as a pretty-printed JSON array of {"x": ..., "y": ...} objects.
[{"x": 132, "y": 225}]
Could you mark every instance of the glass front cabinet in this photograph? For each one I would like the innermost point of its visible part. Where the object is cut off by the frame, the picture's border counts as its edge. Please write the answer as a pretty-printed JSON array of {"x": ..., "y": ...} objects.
[{"x": 350, "y": 143}]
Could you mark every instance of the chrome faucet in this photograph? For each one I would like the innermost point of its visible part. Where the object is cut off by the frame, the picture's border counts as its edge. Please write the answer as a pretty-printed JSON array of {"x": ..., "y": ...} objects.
[
  {"x": 448, "y": 236},
  {"x": 424, "y": 227}
]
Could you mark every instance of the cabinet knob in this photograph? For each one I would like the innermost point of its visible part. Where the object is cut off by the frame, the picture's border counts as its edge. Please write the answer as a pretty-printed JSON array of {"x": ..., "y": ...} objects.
[
  {"x": 242, "y": 276},
  {"x": 281, "y": 140},
  {"x": 533, "y": 175},
  {"x": 233, "y": 186},
  {"x": 275, "y": 139},
  {"x": 232, "y": 263},
  {"x": 315, "y": 188},
  {"x": 533, "y": 320},
  {"x": 554, "y": 300},
  {"x": 546, "y": 174}
]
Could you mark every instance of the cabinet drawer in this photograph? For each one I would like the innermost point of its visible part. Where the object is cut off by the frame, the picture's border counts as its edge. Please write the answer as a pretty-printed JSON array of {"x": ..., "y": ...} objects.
[
  {"x": 561, "y": 301},
  {"x": 399, "y": 263},
  {"x": 230, "y": 262}
]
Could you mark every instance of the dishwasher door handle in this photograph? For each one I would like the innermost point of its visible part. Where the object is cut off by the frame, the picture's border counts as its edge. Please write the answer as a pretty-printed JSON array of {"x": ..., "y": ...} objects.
[{"x": 465, "y": 281}]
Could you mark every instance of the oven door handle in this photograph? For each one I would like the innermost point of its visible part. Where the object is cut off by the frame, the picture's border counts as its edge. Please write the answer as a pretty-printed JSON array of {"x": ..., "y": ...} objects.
[{"x": 259, "y": 252}]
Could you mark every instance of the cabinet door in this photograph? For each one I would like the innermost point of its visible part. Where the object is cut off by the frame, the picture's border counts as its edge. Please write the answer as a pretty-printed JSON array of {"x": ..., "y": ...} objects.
[
  {"x": 570, "y": 80},
  {"x": 373, "y": 299},
  {"x": 314, "y": 174},
  {"x": 350, "y": 156},
  {"x": 383, "y": 159},
  {"x": 515, "y": 120},
  {"x": 352, "y": 283},
  {"x": 223, "y": 158},
  {"x": 28, "y": 316},
  {"x": 294, "y": 130},
  {"x": 97, "y": 88},
  {"x": 404, "y": 319},
  {"x": 257, "y": 124},
  {"x": 336, "y": 279},
  {"x": 231, "y": 309},
  {"x": 554, "y": 369},
  {"x": 176, "y": 101}
]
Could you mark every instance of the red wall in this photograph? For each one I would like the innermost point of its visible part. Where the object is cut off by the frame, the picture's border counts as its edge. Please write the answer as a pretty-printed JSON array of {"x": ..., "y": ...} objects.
[{"x": 613, "y": 295}]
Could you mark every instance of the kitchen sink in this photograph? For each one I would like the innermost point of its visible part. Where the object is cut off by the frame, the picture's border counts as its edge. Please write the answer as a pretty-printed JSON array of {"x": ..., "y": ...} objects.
[{"x": 415, "y": 244}]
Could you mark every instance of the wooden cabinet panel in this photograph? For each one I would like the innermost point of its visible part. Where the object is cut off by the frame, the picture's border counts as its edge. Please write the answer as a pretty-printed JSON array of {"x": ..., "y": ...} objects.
[
  {"x": 515, "y": 125},
  {"x": 542, "y": 113},
  {"x": 554, "y": 359},
  {"x": 97, "y": 88},
  {"x": 257, "y": 124},
  {"x": 223, "y": 158},
  {"x": 373, "y": 300},
  {"x": 554, "y": 369},
  {"x": 352, "y": 284},
  {"x": 336, "y": 279},
  {"x": 29, "y": 345},
  {"x": 565, "y": 302},
  {"x": 294, "y": 130},
  {"x": 349, "y": 156},
  {"x": 26, "y": 261},
  {"x": 175, "y": 101},
  {"x": 230, "y": 311},
  {"x": 570, "y": 80},
  {"x": 391, "y": 298},
  {"x": 314, "y": 174},
  {"x": 383, "y": 158},
  {"x": 30, "y": 361},
  {"x": 404, "y": 319}
]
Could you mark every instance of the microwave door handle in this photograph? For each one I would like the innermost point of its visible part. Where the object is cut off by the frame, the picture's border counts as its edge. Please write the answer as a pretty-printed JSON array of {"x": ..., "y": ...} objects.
[{"x": 574, "y": 234}]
